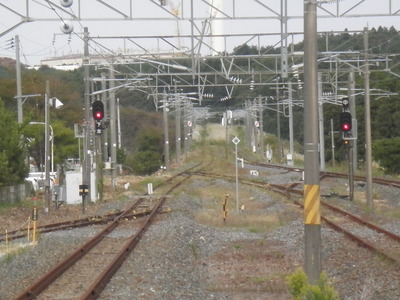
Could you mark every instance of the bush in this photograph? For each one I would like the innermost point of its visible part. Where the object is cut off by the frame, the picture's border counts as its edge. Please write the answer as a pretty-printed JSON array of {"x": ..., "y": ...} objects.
[
  {"x": 301, "y": 290},
  {"x": 145, "y": 162}
]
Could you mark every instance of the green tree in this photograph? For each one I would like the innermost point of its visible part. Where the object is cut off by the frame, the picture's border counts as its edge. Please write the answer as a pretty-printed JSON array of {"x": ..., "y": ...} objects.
[
  {"x": 386, "y": 153},
  {"x": 146, "y": 162},
  {"x": 148, "y": 157},
  {"x": 13, "y": 169}
]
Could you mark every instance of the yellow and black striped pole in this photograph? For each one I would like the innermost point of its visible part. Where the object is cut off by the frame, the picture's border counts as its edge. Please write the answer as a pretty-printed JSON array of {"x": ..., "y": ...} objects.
[
  {"x": 311, "y": 205},
  {"x": 224, "y": 207},
  {"x": 312, "y": 219}
]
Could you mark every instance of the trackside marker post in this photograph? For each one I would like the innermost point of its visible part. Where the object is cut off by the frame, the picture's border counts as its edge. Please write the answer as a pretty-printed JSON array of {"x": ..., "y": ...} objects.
[
  {"x": 34, "y": 220},
  {"x": 83, "y": 191},
  {"x": 224, "y": 208},
  {"x": 28, "y": 230}
]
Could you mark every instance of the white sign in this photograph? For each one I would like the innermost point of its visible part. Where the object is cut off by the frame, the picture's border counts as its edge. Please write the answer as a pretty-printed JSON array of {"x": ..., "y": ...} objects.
[{"x": 235, "y": 140}]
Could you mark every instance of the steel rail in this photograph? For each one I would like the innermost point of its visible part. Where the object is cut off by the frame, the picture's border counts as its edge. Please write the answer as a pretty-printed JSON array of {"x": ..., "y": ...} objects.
[
  {"x": 101, "y": 281},
  {"x": 87, "y": 221},
  {"x": 288, "y": 190},
  {"x": 382, "y": 181},
  {"x": 42, "y": 283},
  {"x": 94, "y": 291},
  {"x": 94, "y": 220},
  {"x": 362, "y": 242}
]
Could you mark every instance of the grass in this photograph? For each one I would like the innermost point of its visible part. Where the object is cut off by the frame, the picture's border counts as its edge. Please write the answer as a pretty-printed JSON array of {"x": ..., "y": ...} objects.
[
  {"x": 249, "y": 221},
  {"x": 11, "y": 251},
  {"x": 194, "y": 249}
]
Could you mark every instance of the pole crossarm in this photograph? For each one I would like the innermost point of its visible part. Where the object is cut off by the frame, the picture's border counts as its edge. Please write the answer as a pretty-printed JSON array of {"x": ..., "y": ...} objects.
[
  {"x": 24, "y": 11},
  {"x": 43, "y": 10},
  {"x": 232, "y": 71}
]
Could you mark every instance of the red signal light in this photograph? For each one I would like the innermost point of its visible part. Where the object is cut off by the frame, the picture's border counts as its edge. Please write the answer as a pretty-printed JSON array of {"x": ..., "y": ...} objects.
[
  {"x": 346, "y": 127},
  {"x": 98, "y": 110},
  {"x": 98, "y": 115}
]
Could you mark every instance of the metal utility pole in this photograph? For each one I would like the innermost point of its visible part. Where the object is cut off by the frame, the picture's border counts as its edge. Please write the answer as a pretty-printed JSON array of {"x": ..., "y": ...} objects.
[
  {"x": 113, "y": 128},
  {"x": 177, "y": 125},
  {"x": 333, "y": 144},
  {"x": 261, "y": 125},
  {"x": 166, "y": 138},
  {"x": 19, "y": 84},
  {"x": 225, "y": 118},
  {"x": 185, "y": 128},
  {"x": 105, "y": 131},
  {"x": 352, "y": 104},
  {"x": 47, "y": 192},
  {"x": 86, "y": 154},
  {"x": 312, "y": 221},
  {"x": 278, "y": 123},
  {"x": 291, "y": 134},
  {"x": 236, "y": 141},
  {"x": 351, "y": 170},
  {"x": 321, "y": 124},
  {"x": 368, "y": 141},
  {"x": 248, "y": 123},
  {"x": 119, "y": 137},
  {"x": 284, "y": 36}
]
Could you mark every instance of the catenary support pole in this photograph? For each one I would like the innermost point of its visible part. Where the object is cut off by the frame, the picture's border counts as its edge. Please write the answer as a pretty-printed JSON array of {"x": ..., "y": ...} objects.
[
  {"x": 105, "y": 134},
  {"x": 19, "y": 81},
  {"x": 312, "y": 219},
  {"x": 333, "y": 144},
  {"x": 113, "y": 129},
  {"x": 47, "y": 192},
  {"x": 165, "y": 125},
  {"x": 368, "y": 140},
  {"x": 261, "y": 109},
  {"x": 352, "y": 104},
  {"x": 86, "y": 153},
  {"x": 291, "y": 135},
  {"x": 321, "y": 124},
  {"x": 177, "y": 125}
]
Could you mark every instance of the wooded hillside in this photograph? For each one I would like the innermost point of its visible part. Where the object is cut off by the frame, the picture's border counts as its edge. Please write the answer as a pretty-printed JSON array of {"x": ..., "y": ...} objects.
[{"x": 140, "y": 121}]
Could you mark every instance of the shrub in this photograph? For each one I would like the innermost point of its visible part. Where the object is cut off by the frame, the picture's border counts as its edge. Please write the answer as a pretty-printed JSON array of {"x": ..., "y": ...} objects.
[{"x": 301, "y": 290}]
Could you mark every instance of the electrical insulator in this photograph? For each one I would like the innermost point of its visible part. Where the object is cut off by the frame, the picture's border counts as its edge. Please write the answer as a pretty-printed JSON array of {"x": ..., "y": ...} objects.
[{"x": 252, "y": 85}]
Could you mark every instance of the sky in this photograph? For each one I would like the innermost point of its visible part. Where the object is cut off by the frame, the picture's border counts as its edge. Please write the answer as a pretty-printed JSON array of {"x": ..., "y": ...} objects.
[{"x": 42, "y": 38}]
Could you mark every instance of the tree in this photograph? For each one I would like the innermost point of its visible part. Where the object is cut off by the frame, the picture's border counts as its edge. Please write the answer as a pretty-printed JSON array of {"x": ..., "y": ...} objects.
[
  {"x": 148, "y": 157},
  {"x": 386, "y": 152},
  {"x": 13, "y": 169}
]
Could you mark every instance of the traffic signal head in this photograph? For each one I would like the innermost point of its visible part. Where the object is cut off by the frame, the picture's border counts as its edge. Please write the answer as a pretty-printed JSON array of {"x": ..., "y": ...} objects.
[
  {"x": 345, "y": 121},
  {"x": 98, "y": 110}
]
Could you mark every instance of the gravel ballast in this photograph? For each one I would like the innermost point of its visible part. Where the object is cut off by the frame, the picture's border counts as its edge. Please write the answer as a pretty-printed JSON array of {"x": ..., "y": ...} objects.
[{"x": 180, "y": 257}]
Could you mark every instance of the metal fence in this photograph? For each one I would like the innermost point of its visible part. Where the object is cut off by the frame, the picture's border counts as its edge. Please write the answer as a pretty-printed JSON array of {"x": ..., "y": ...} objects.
[{"x": 16, "y": 193}]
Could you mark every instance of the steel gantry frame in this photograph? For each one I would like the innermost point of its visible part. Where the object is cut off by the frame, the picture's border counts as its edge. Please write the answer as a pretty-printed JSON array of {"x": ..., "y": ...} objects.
[
  {"x": 128, "y": 10},
  {"x": 207, "y": 65}
]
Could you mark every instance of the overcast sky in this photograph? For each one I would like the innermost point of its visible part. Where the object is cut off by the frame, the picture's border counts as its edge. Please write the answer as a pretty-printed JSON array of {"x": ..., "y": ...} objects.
[{"x": 43, "y": 38}]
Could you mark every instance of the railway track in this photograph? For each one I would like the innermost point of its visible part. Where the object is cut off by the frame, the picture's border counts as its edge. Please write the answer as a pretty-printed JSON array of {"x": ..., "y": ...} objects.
[
  {"x": 357, "y": 229},
  {"x": 91, "y": 290},
  {"x": 86, "y": 271},
  {"x": 378, "y": 239},
  {"x": 323, "y": 174},
  {"x": 88, "y": 221}
]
